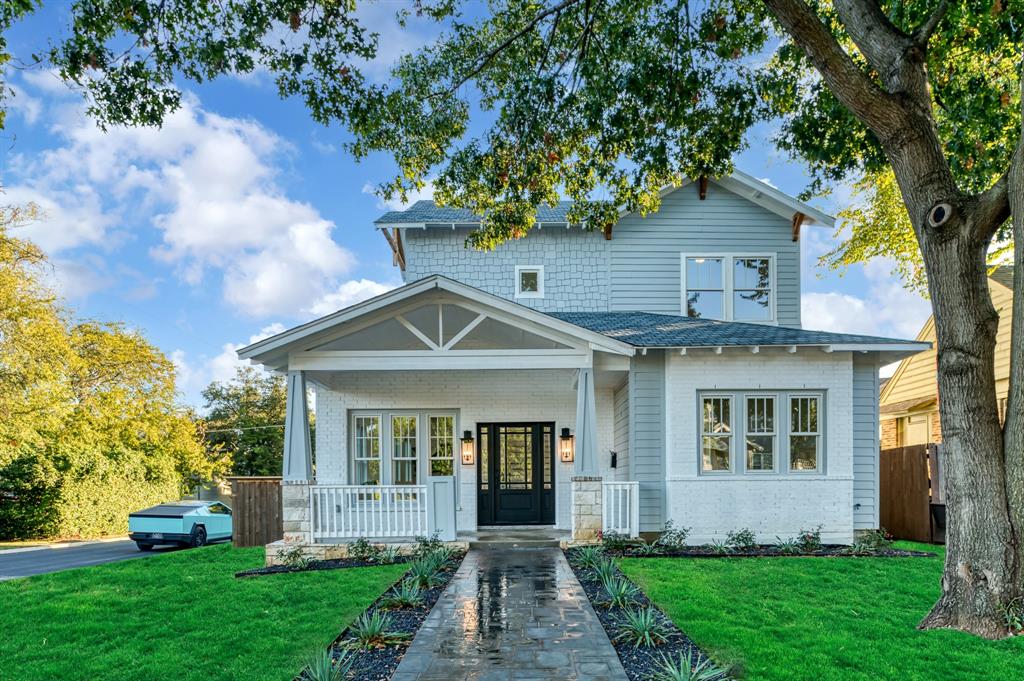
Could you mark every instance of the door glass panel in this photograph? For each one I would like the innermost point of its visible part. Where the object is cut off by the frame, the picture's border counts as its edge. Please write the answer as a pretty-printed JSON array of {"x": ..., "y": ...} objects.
[
  {"x": 547, "y": 454},
  {"x": 483, "y": 456},
  {"x": 515, "y": 458}
]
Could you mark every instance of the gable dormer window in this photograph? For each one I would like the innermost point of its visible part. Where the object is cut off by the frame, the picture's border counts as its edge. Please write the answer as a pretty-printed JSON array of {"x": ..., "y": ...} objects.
[
  {"x": 529, "y": 281},
  {"x": 738, "y": 288}
]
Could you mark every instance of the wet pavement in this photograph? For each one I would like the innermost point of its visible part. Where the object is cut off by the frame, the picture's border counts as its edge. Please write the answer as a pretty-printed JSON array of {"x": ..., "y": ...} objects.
[{"x": 512, "y": 614}]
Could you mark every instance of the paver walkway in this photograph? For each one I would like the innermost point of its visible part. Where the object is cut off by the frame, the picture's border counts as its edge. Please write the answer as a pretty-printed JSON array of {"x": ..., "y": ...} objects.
[{"x": 512, "y": 614}]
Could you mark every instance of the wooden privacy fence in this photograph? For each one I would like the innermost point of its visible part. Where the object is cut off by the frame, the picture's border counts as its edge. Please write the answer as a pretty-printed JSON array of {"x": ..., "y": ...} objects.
[
  {"x": 910, "y": 493},
  {"x": 256, "y": 505}
]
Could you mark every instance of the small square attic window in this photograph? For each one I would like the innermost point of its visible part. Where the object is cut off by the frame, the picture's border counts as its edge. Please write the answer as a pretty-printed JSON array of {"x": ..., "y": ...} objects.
[{"x": 529, "y": 281}]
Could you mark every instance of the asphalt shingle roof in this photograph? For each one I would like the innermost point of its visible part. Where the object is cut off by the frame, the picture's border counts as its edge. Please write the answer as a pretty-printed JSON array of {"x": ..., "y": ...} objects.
[
  {"x": 644, "y": 329},
  {"x": 426, "y": 212}
]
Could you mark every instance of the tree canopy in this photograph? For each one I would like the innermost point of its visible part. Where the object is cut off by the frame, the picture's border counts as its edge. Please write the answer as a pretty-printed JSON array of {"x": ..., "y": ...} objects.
[{"x": 89, "y": 425}]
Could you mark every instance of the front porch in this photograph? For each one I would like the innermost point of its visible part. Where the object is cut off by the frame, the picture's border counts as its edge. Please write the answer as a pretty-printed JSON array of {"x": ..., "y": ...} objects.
[{"x": 440, "y": 409}]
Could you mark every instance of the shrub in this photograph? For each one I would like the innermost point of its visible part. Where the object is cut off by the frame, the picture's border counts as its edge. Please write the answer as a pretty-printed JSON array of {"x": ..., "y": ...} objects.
[
  {"x": 642, "y": 627},
  {"x": 588, "y": 556},
  {"x": 673, "y": 537},
  {"x": 787, "y": 547},
  {"x": 646, "y": 549},
  {"x": 741, "y": 540},
  {"x": 868, "y": 543},
  {"x": 809, "y": 541},
  {"x": 425, "y": 545},
  {"x": 688, "y": 667},
  {"x": 373, "y": 630},
  {"x": 720, "y": 547},
  {"x": 425, "y": 571},
  {"x": 323, "y": 666},
  {"x": 615, "y": 542},
  {"x": 620, "y": 592},
  {"x": 605, "y": 569},
  {"x": 293, "y": 557},
  {"x": 389, "y": 554},
  {"x": 406, "y": 595},
  {"x": 361, "y": 549}
]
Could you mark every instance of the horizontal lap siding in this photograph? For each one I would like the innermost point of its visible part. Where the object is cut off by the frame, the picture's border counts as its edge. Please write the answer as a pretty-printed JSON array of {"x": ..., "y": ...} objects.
[
  {"x": 621, "y": 438},
  {"x": 647, "y": 436},
  {"x": 645, "y": 265},
  {"x": 865, "y": 442}
]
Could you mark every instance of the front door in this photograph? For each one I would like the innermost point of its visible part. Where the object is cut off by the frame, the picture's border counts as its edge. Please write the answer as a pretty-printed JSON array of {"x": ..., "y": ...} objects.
[{"x": 516, "y": 475}]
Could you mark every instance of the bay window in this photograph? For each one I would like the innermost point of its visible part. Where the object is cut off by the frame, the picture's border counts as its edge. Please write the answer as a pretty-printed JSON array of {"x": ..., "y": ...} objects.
[{"x": 729, "y": 287}]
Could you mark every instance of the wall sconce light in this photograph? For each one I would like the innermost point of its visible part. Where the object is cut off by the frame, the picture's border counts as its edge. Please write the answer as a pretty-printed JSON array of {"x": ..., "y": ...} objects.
[
  {"x": 615, "y": 459},
  {"x": 567, "y": 446},
  {"x": 468, "y": 450}
]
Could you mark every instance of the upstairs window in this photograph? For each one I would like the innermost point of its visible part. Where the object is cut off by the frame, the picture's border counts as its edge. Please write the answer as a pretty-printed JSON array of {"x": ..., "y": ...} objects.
[
  {"x": 729, "y": 287},
  {"x": 529, "y": 281}
]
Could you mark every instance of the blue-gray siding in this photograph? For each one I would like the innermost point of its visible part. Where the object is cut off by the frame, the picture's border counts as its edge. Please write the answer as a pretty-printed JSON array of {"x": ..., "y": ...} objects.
[
  {"x": 865, "y": 442},
  {"x": 620, "y": 441},
  {"x": 647, "y": 436},
  {"x": 645, "y": 251}
]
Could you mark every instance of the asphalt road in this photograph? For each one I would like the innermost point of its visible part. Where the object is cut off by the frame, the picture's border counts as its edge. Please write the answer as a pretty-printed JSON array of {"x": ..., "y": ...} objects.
[{"x": 39, "y": 561}]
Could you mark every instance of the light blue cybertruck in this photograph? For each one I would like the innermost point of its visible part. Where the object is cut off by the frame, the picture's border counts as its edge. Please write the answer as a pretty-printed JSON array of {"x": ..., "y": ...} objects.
[{"x": 185, "y": 523}]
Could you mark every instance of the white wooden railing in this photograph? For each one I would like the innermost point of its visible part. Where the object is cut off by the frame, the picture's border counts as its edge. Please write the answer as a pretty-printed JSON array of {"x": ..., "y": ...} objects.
[
  {"x": 371, "y": 511},
  {"x": 621, "y": 504}
]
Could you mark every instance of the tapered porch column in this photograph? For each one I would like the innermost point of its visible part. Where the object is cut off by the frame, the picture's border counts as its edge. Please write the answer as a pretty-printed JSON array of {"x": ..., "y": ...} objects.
[
  {"x": 587, "y": 507},
  {"x": 298, "y": 455},
  {"x": 297, "y": 467}
]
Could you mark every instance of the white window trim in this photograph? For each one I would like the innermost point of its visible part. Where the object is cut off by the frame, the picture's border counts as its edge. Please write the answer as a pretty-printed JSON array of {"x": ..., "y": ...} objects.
[
  {"x": 737, "y": 452},
  {"x": 819, "y": 442},
  {"x": 353, "y": 458},
  {"x": 418, "y": 438},
  {"x": 702, "y": 395},
  {"x": 727, "y": 283},
  {"x": 455, "y": 441},
  {"x": 775, "y": 434},
  {"x": 385, "y": 443},
  {"x": 539, "y": 293}
]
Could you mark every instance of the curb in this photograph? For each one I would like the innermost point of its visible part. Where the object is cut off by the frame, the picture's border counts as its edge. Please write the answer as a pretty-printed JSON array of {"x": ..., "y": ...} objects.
[{"x": 61, "y": 545}]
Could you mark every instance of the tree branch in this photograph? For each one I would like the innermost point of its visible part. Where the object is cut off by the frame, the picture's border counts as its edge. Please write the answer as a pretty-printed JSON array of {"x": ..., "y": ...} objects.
[{"x": 923, "y": 33}]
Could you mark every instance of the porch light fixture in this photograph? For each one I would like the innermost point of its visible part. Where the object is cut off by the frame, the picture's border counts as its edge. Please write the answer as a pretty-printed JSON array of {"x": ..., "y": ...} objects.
[
  {"x": 468, "y": 450},
  {"x": 567, "y": 446}
]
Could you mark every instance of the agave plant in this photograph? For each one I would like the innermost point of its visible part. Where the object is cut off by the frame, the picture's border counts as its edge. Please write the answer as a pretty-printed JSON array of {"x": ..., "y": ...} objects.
[
  {"x": 605, "y": 569},
  {"x": 688, "y": 667},
  {"x": 406, "y": 595},
  {"x": 646, "y": 549},
  {"x": 642, "y": 627},
  {"x": 588, "y": 556},
  {"x": 323, "y": 666},
  {"x": 620, "y": 592},
  {"x": 373, "y": 630},
  {"x": 787, "y": 547},
  {"x": 389, "y": 554},
  {"x": 425, "y": 572}
]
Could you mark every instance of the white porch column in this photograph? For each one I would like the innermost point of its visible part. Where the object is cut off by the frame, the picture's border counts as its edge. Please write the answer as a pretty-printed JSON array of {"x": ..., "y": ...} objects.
[
  {"x": 298, "y": 456},
  {"x": 586, "y": 425}
]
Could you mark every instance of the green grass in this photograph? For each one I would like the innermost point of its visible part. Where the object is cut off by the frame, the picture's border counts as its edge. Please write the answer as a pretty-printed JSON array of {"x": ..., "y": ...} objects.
[
  {"x": 823, "y": 619},
  {"x": 180, "y": 615}
]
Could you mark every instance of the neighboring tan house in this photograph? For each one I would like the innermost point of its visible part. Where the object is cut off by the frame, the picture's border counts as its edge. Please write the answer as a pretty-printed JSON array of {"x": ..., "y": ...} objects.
[
  {"x": 909, "y": 401},
  {"x": 583, "y": 380}
]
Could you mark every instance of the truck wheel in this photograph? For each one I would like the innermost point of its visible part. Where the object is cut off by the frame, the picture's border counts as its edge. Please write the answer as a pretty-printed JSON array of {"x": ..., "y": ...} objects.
[
  {"x": 144, "y": 546},
  {"x": 197, "y": 537}
]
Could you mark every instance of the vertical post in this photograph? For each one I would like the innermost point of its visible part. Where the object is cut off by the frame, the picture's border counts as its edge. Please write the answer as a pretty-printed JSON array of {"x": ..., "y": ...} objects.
[
  {"x": 297, "y": 467},
  {"x": 586, "y": 425}
]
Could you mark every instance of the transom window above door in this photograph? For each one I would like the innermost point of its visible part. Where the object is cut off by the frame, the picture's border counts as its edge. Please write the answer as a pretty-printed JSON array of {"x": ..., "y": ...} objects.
[{"x": 729, "y": 287}]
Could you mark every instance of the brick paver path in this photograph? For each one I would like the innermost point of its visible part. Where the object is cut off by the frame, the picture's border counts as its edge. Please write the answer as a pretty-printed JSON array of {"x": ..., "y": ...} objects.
[{"x": 512, "y": 614}]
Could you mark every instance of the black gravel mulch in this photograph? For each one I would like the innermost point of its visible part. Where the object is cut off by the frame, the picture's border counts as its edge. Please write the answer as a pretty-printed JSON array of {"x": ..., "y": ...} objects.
[
  {"x": 768, "y": 551},
  {"x": 640, "y": 664},
  {"x": 378, "y": 664},
  {"x": 334, "y": 564}
]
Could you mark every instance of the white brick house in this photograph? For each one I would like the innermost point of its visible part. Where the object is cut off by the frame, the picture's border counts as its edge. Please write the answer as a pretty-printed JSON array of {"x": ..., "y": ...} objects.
[{"x": 658, "y": 371}]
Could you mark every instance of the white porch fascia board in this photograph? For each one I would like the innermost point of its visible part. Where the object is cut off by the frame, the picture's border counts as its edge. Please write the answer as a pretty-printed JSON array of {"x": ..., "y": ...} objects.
[
  {"x": 433, "y": 360},
  {"x": 470, "y": 297}
]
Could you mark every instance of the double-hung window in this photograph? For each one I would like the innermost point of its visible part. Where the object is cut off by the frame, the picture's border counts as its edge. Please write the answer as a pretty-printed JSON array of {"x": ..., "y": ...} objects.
[
  {"x": 442, "y": 445},
  {"x": 760, "y": 435},
  {"x": 804, "y": 432},
  {"x": 729, "y": 287},
  {"x": 366, "y": 450},
  {"x": 403, "y": 449},
  {"x": 716, "y": 433}
]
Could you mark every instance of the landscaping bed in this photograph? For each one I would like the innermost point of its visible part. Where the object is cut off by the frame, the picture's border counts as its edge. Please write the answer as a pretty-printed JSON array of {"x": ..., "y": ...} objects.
[
  {"x": 333, "y": 564},
  {"x": 765, "y": 551},
  {"x": 640, "y": 662},
  {"x": 371, "y": 648}
]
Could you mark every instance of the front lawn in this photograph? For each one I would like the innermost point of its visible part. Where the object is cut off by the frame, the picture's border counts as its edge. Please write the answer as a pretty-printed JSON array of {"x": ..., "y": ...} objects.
[
  {"x": 180, "y": 615},
  {"x": 821, "y": 618}
]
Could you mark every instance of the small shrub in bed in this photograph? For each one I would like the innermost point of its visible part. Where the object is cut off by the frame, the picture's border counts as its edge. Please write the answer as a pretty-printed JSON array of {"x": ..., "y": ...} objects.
[
  {"x": 361, "y": 549},
  {"x": 425, "y": 572},
  {"x": 672, "y": 537},
  {"x": 323, "y": 666},
  {"x": 389, "y": 554},
  {"x": 406, "y": 595},
  {"x": 809, "y": 541},
  {"x": 720, "y": 547},
  {"x": 646, "y": 549},
  {"x": 619, "y": 592},
  {"x": 688, "y": 667},
  {"x": 605, "y": 569},
  {"x": 293, "y": 558},
  {"x": 588, "y": 556},
  {"x": 373, "y": 630},
  {"x": 642, "y": 627},
  {"x": 425, "y": 545},
  {"x": 787, "y": 547},
  {"x": 741, "y": 540},
  {"x": 868, "y": 543},
  {"x": 615, "y": 542}
]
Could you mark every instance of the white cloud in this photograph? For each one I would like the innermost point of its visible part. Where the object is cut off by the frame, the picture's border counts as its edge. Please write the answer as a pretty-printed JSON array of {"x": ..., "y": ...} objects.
[
  {"x": 349, "y": 293},
  {"x": 47, "y": 82},
  {"x": 208, "y": 183},
  {"x": 22, "y": 103},
  {"x": 194, "y": 376},
  {"x": 395, "y": 203}
]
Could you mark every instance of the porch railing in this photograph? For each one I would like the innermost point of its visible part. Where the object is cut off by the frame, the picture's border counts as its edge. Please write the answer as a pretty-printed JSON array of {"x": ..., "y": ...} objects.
[
  {"x": 371, "y": 511},
  {"x": 621, "y": 504}
]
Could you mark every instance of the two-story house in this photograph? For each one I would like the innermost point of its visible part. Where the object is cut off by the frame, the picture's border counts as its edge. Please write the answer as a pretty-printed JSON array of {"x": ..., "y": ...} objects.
[{"x": 586, "y": 380}]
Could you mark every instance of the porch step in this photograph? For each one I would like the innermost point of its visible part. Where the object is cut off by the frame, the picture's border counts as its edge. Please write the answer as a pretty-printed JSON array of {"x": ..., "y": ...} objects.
[{"x": 515, "y": 538}]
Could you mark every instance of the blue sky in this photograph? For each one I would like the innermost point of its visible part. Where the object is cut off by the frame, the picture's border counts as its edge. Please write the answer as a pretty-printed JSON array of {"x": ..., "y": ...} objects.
[{"x": 242, "y": 216}]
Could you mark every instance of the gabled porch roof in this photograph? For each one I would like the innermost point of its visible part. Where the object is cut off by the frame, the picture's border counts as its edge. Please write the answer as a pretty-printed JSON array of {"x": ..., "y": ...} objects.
[{"x": 433, "y": 323}]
